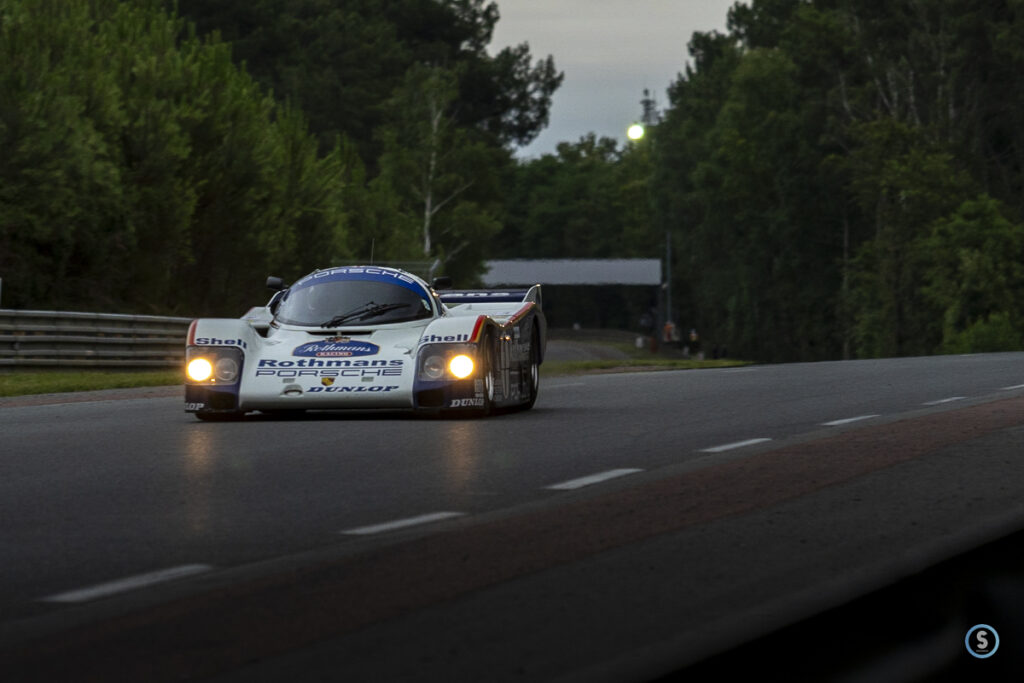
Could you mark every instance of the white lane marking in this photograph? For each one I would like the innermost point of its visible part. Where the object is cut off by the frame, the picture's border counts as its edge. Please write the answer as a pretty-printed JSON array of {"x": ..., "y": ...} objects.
[
  {"x": 402, "y": 523},
  {"x": 1016, "y": 386},
  {"x": 730, "y": 446},
  {"x": 944, "y": 400},
  {"x": 848, "y": 420},
  {"x": 127, "y": 584},
  {"x": 592, "y": 479},
  {"x": 559, "y": 386}
]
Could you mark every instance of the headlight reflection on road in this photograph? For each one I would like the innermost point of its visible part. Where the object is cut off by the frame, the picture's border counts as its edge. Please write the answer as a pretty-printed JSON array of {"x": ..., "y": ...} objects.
[
  {"x": 199, "y": 469},
  {"x": 464, "y": 446}
]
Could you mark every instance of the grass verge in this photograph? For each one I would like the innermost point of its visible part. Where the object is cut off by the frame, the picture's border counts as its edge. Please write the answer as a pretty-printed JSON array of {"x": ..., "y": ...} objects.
[
  {"x": 580, "y": 367},
  {"x": 58, "y": 381}
]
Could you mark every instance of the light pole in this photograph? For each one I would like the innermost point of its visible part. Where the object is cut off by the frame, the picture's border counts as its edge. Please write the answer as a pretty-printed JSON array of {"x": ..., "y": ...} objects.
[
  {"x": 668, "y": 277},
  {"x": 636, "y": 132}
]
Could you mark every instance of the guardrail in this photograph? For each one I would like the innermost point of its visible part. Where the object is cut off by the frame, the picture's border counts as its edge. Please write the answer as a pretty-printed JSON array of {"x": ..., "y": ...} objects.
[{"x": 103, "y": 340}]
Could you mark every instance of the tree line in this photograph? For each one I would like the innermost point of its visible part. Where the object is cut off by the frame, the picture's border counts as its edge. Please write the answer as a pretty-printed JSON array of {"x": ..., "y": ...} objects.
[
  {"x": 164, "y": 156},
  {"x": 834, "y": 178},
  {"x": 837, "y": 179},
  {"x": 857, "y": 190}
]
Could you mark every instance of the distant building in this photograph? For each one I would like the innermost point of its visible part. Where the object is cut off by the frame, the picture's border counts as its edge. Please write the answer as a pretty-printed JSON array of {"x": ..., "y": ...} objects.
[
  {"x": 573, "y": 272},
  {"x": 589, "y": 293}
]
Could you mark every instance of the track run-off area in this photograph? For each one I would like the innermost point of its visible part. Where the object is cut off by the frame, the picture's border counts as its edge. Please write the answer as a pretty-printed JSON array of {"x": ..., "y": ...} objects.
[{"x": 626, "y": 527}]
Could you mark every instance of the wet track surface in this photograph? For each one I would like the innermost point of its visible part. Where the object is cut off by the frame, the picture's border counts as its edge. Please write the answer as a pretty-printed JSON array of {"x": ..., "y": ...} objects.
[{"x": 702, "y": 507}]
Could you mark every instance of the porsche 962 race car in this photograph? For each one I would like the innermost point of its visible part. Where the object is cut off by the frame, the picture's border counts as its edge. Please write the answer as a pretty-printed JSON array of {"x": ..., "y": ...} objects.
[{"x": 369, "y": 337}]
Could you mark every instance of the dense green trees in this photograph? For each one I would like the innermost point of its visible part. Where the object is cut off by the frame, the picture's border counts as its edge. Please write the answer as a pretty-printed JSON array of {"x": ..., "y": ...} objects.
[
  {"x": 838, "y": 178},
  {"x": 409, "y": 85},
  {"x": 143, "y": 171},
  {"x": 589, "y": 200},
  {"x": 835, "y": 178},
  {"x": 149, "y": 165},
  {"x": 341, "y": 60},
  {"x": 446, "y": 176}
]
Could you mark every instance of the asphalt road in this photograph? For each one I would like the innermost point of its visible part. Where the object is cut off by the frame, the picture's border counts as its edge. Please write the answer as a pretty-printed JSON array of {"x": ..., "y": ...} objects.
[{"x": 627, "y": 525}]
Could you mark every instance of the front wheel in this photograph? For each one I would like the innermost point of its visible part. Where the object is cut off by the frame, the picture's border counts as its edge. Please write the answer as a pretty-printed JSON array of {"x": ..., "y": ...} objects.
[
  {"x": 487, "y": 374},
  {"x": 533, "y": 373},
  {"x": 529, "y": 376}
]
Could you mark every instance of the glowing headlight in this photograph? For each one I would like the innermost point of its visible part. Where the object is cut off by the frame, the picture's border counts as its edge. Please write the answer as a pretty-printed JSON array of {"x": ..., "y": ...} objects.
[
  {"x": 433, "y": 367},
  {"x": 227, "y": 369},
  {"x": 200, "y": 369},
  {"x": 461, "y": 366}
]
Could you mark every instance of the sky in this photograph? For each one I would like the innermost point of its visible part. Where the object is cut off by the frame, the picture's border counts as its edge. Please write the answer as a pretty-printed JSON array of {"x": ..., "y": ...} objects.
[{"x": 610, "y": 51}]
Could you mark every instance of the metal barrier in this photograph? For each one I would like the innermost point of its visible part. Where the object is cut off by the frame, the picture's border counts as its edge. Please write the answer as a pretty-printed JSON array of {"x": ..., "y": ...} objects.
[{"x": 103, "y": 340}]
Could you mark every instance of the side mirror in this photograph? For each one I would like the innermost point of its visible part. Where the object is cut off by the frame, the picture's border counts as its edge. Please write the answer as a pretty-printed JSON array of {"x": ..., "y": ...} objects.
[
  {"x": 275, "y": 283},
  {"x": 443, "y": 282}
]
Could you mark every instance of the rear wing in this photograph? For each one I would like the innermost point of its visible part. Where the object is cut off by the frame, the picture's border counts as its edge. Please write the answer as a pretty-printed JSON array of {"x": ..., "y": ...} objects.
[{"x": 456, "y": 297}]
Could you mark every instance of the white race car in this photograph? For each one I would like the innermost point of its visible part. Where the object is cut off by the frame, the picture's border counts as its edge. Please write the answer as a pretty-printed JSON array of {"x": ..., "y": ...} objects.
[{"x": 368, "y": 337}]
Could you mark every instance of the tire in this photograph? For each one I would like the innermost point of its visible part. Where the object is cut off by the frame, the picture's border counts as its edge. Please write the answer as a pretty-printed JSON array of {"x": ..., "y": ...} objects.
[
  {"x": 530, "y": 377},
  {"x": 533, "y": 373},
  {"x": 487, "y": 375}
]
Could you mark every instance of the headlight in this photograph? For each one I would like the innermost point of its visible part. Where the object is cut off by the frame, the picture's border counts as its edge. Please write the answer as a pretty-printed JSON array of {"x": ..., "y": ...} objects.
[
  {"x": 461, "y": 366},
  {"x": 447, "y": 362},
  {"x": 213, "y": 364},
  {"x": 199, "y": 370},
  {"x": 227, "y": 369},
  {"x": 433, "y": 367}
]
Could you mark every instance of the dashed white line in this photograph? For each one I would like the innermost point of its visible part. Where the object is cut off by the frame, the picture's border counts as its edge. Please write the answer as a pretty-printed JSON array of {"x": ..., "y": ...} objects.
[
  {"x": 944, "y": 400},
  {"x": 848, "y": 420},
  {"x": 559, "y": 386},
  {"x": 731, "y": 446},
  {"x": 1016, "y": 386},
  {"x": 592, "y": 479},
  {"x": 127, "y": 584},
  {"x": 402, "y": 523}
]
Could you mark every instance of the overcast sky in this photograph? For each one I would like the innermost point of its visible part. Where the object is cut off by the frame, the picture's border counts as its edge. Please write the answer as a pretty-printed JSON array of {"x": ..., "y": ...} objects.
[{"x": 610, "y": 50}]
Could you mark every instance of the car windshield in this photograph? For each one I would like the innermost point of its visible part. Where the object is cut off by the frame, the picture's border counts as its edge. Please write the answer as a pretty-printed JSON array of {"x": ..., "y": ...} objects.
[{"x": 351, "y": 301}]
